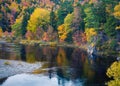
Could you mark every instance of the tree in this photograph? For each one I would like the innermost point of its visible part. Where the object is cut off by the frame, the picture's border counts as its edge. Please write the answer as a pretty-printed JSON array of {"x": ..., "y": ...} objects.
[
  {"x": 109, "y": 27},
  {"x": 117, "y": 11},
  {"x": 18, "y": 1},
  {"x": 53, "y": 21},
  {"x": 90, "y": 20},
  {"x": 62, "y": 33},
  {"x": 26, "y": 17},
  {"x": 78, "y": 23},
  {"x": 68, "y": 23},
  {"x": 58, "y": 2},
  {"x": 65, "y": 8},
  {"x": 39, "y": 18},
  {"x": 114, "y": 72},
  {"x": 1, "y": 32},
  {"x": 90, "y": 33},
  {"x": 79, "y": 38},
  {"x": 99, "y": 11},
  {"x": 17, "y": 27},
  {"x": 65, "y": 30}
]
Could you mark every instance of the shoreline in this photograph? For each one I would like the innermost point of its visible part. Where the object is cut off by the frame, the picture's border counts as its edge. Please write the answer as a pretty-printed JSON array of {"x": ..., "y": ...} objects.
[
  {"x": 84, "y": 47},
  {"x": 51, "y": 44}
]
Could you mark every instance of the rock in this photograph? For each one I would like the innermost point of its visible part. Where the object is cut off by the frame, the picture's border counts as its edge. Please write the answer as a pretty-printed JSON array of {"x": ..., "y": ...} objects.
[
  {"x": 91, "y": 50},
  {"x": 118, "y": 58}
]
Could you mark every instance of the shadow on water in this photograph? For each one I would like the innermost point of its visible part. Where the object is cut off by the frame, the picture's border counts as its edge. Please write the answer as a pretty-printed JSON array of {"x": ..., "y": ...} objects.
[
  {"x": 69, "y": 66},
  {"x": 23, "y": 53},
  {"x": 2, "y": 80}
]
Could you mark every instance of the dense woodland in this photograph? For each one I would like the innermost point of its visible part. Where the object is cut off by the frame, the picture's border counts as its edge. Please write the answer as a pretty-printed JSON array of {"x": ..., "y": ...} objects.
[{"x": 94, "y": 22}]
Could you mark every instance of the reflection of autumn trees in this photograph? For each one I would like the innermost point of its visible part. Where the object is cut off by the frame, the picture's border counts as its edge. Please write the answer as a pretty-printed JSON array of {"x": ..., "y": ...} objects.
[
  {"x": 33, "y": 54},
  {"x": 23, "y": 53},
  {"x": 9, "y": 51},
  {"x": 87, "y": 71},
  {"x": 81, "y": 65},
  {"x": 41, "y": 53},
  {"x": 50, "y": 54},
  {"x": 61, "y": 58},
  {"x": 62, "y": 62},
  {"x": 78, "y": 57},
  {"x": 77, "y": 61}
]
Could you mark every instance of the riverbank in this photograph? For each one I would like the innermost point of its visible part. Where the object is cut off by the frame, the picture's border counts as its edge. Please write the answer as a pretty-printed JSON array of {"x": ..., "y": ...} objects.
[
  {"x": 11, "y": 67},
  {"x": 85, "y": 47},
  {"x": 89, "y": 48},
  {"x": 52, "y": 44}
]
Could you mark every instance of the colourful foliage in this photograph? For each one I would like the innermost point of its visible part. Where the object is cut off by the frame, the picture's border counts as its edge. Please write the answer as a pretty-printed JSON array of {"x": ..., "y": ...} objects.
[
  {"x": 29, "y": 35},
  {"x": 62, "y": 33},
  {"x": 1, "y": 32},
  {"x": 14, "y": 6},
  {"x": 90, "y": 32},
  {"x": 16, "y": 27},
  {"x": 65, "y": 29},
  {"x": 79, "y": 38},
  {"x": 45, "y": 36},
  {"x": 39, "y": 18},
  {"x": 118, "y": 27},
  {"x": 108, "y": 8},
  {"x": 90, "y": 18},
  {"x": 117, "y": 11},
  {"x": 64, "y": 18},
  {"x": 92, "y": 1},
  {"x": 114, "y": 72}
]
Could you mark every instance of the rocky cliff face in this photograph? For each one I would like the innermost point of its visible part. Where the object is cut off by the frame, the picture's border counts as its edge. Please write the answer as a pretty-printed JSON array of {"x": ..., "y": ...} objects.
[{"x": 103, "y": 44}]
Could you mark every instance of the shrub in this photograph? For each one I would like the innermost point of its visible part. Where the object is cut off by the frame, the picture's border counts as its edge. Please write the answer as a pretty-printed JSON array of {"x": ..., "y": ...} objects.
[{"x": 114, "y": 72}]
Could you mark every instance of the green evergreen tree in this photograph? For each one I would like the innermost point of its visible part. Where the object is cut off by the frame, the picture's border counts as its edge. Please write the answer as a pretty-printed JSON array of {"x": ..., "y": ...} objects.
[
  {"x": 53, "y": 21},
  {"x": 26, "y": 17},
  {"x": 110, "y": 26},
  {"x": 65, "y": 8}
]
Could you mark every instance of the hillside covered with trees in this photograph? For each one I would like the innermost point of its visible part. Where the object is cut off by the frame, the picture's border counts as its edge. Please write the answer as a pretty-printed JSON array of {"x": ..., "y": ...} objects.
[{"x": 79, "y": 22}]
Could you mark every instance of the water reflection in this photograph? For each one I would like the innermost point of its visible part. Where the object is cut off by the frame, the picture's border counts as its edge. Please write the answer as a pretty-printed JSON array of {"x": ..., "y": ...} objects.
[
  {"x": 61, "y": 58},
  {"x": 36, "y": 80},
  {"x": 23, "y": 53},
  {"x": 30, "y": 80},
  {"x": 9, "y": 51},
  {"x": 67, "y": 66}
]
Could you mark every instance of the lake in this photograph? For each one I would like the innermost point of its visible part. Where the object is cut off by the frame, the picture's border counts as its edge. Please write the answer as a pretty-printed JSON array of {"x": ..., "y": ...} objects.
[{"x": 61, "y": 66}]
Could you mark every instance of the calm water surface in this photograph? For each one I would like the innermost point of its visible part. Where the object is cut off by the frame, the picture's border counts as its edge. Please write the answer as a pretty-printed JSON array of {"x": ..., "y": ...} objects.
[{"x": 62, "y": 66}]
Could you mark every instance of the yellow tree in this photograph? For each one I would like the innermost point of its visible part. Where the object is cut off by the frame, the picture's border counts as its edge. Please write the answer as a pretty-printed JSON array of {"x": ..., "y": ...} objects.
[
  {"x": 114, "y": 72},
  {"x": 1, "y": 32},
  {"x": 62, "y": 33},
  {"x": 90, "y": 33},
  {"x": 39, "y": 18},
  {"x": 14, "y": 6},
  {"x": 65, "y": 29},
  {"x": 117, "y": 11}
]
